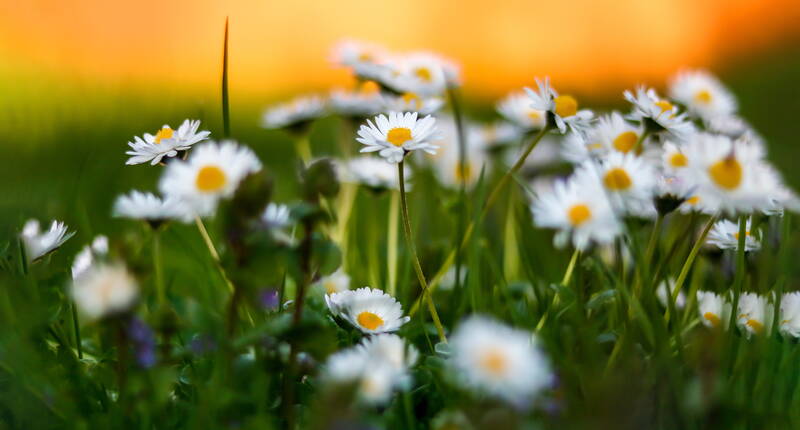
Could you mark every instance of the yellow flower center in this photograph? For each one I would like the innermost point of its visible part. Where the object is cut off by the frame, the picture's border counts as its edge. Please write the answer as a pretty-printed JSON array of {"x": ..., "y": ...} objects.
[
  {"x": 365, "y": 57},
  {"x": 423, "y": 73},
  {"x": 412, "y": 100},
  {"x": 664, "y": 105},
  {"x": 755, "y": 325},
  {"x": 164, "y": 133},
  {"x": 625, "y": 141},
  {"x": 369, "y": 321},
  {"x": 566, "y": 106},
  {"x": 210, "y": 179},
  {"x": 617, "y": 179},
  {"x": 712, "y": 318},
  {"x": 330, "y": 287},
  {"x": 494, "y": 362},
  {"x": 702, "y": 96},
  {"x": 369, "y": 88},
  {"x": 579, "y": 214},
  {"x": 465, "y": 174},
  {"x": 678, "y": 160},
  {"x": 398, "y": 136},
  {"x": 726, "y": 173},
  {"x": 693, "y": 200},
  {"x": 746, "y": 234},
  {"x": 534, "y": 115}
]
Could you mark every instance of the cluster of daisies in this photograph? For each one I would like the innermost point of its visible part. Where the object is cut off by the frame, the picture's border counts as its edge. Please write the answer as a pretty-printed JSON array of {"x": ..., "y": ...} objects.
[{"x": 755, "y": 314}]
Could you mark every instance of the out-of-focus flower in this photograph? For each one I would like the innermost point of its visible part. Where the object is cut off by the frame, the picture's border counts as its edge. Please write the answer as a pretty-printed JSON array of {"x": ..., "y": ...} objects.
[
  {"x": 703, "y": 94},
  {"x": 268, "y": 299},
  {"x": 149, "y": 207},
  {"x": 790, "y": 314},
  {"x": 754, "y": 315},
  {"x": 411, "y": 102},
  {"x": 356, "y": 104},
  {"x": 516, "y": 108},
  {"x": 165, "y": 143},
  {"x": 613, "y": 134},
  {"x": 664, "y": 294},
  {"x": 658, "y": 115},
  {"x": 629, "y": 181},
  {"x": 104, "y": 289},
  {"x": 725, "y": 235},
  {"x": 398, "y": 134},
  {"x": 563, "y": 108},
  {"x": 144, "y": 343},
  {"x": 336, "y": 282},
  {"x": 369, "y": 310},
  {"x": 505, "y": 362},
  {"x": 40, "y": 243},
  {"x": 294, "y": 114},
  {"x": 715, "y": 310},
  {"x": 371, "y": 172},
  {"x": 447, "y": 161},
  {"x": 276, "y": 216},
  {"x": 212, "y": 172},
  {"x": 366, "y": 59},
  {"x": 86, "y": 257}
]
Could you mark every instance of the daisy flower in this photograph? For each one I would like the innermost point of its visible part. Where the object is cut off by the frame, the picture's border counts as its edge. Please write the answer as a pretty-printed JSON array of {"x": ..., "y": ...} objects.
[
  {"x": 673, "y": 158},
  {"x": 165, "y": 143},
  {"x": 725, "y": 235},
  {"x": 40, "y": 243},
  {"x": 664, "y": 294},
  {"x": 703, "y": 94},
  {"x": 790, "y": 314},
  {"x": 671, "y": 194},
  {"x": 714, "y": 309},
  {"x": 212, "y": 172},
  {"x": 447, "y": 163},
  {"x": 356, "y": 104},
  {"x": 629, "y": 181},
  {"x": 418, "y": 73},
  {"x": 370, "y": 310},
  {"x": 562, "y": 108},
  {"x": 276, "y": 216},
  {"x": 615, "y": 134},
  {"x": 411, "y": 102},
  {"x": 579, "y": 209},
  {"x": 576, "y": 149},
  {"x": 657, "y": 114},
  {"x": 754, "y": 314},
  {"x": 398, "y": 134},
  {"x": 336, "y": 282},
  {"x": 103, "y": 290},
  {"x": 505, "y": 362},
  {"x": 86, "y": 257},
  {"x": 149, "y": 207},
  {"x": 371, "y": 172},
  {"x": 366, "y": 59},
  {"x": 516, "y": 108},
  {"x": 500, "y": 133},
  {"x": 295, "y": 114},
  {"x": 732, "y": 126}
]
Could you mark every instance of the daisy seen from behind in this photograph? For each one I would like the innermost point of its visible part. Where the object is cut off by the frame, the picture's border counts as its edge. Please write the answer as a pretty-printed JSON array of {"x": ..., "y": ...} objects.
[{"x": 40, "y": 243}]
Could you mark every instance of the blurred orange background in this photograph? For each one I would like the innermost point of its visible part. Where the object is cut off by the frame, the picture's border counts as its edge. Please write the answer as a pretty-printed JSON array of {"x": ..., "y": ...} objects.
[{"x": 282, "y": 47}]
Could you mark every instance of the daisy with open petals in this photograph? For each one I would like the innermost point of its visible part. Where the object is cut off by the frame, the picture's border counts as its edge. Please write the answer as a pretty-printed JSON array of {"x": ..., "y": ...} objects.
[
  {"x": 396, "y": 135},
  {"x": 629, "y": 181},
  {"x": 356, "y": 104},
  {"x": 725, "y": 235},
  {"x": 366, "y": 59},
  {"x": 166, "y": 142},
  {"x": 149, "y": 207},
  {"x": 790, "y": 314},
  {"x": 714, "y": 309},
  {"x": 104, "y": 289},
  {"x": 615, "y": 134},
  {"x": 703, "y": 94},
  {"x": 658, "y": 115},
  {"x": 40, "y": 243},
  {"x": 371, "y": 172},
  {"x": 295, "y": 114},
  {"x": 212, "y": 172},
  {"x": 418, "y": 73},
  {"x": 88, "y": 255},
  {"x": 411, "y": 102},
  {"x": 369, "y": 310},
  {"x": 754, "y": 315},
  {"x": 563, "y": 109},
  {"x": 516, "y": 108}
]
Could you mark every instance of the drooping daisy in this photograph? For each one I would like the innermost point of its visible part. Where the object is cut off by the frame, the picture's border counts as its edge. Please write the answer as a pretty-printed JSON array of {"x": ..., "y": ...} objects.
[
  {"x": 714, "y": 309},
  {"x": 86, "y": 257},
  {"x": 629, "y": 181},
  {"x": 580, "y": 210},
  {"x": 370, "y": 310},
  {"x": 411, "y": 102},
  {"x": 790, "y": 314},
  {"x": 665, "y": 291},
  {"x": 356, "y": 104},
  {"x": 149, "y": 207},
  {"x": 104, "y": 289},
  {"x": 371, "y": 172},
  {"x": 398, "y": 134},
  {"x": 615, "y": 134},
  {"x": 165, "y": 143},
  {"x": 563, "y": 108},
  {"x": 658, "y": 114},
  {"x": 38, "y": 243},
  {"x": 725, "y": 235},
  {"x": 516, "y": 108},
  {"x": 754, "y": 315},
  {"x": 703, "y": 94},
  {"x": 336, "y": 282},
  {"x": 491, "y": 357},
  {"x": 213, "y": 171},
  {"x": 295, "y": 114},
  {"x": 276, "y": 216}
]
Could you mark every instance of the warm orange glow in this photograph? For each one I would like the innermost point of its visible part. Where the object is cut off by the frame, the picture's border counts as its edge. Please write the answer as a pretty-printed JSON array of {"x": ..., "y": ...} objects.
[{"x": 586, "y": 45}]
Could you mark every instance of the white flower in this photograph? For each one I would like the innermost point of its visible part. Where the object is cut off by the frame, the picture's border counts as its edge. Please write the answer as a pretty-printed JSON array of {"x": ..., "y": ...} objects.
[
  {"x": 38, "y": 243},
  {"x": 359, "y": 104},
  {"x": 411, "y": 102},
  {"x": 276, "y": 216},
  {"x": 715, "y": 310},
  {"x": 576, "y": 149},
  {"x": 165, "y": 143},
  {"x": 577, "y": 207},
  {"x": 505, "y": 362},
  {"x": 500, "y": 133},
  {"x": 664, "y": 294},
  {"x": 296, "y": 112},
  {"x": 370, "y": 310},
  {"x": 516, "y": 108},
  {"x": 725, "y": 235},
  {"x": 336, "y": 282},
  {"x": 629, "y": 181},
  {"x": 371, "y": 172},
  {"x": 447, "y": 162},
  {"x": 104, "y": 289},
  {"x": 149, "y": 207},
  {"x": 703, "y": 94},
  {"x": 213, "y": 171},
  {"x": 658, "y": 114},
  {"x": 613, "y": 134},
  {"x": 366, "y": 59},
  {"x": 398, "y": 134},
  {"x": 754, "y": 314},
  {"x": 86, "y": 257},
  {"x": 730, "y": 125},
  {"x": 673, "y": 159},
  {"x": 790, "y": 314},
  {"x": 417, "y": 72},
  {"x": 563, "y": 108}
]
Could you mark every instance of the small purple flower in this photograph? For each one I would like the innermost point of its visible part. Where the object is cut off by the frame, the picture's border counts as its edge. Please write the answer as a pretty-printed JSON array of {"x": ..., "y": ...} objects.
[
  {"x": 201, "y": 344},
  {"x": 268, "y": 298},
  {"x": 144, "y": 342}
]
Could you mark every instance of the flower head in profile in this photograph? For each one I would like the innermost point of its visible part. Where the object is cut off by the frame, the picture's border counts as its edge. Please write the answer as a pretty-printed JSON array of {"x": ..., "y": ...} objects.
[
  {"x": 725, "y": 235},
  {"x": 703, "y": 94},
  {"x": 104, "y": 289},
  {"x": 367, "y": 60},
  {"x": 40, "y": 243},
  {"x": 295, "y": 114},
  {"x": 447, "y": 161},
  {"x": 490, "y": 357},
  {"x": 418, "y": 73},
  {"x": 516, "y": 108},
  {"x": 411, "y": 102},
  {"x": 754, "y": 315},
  {"x": 356, "y": 104},
  {"x": 563, "y": 109},
  {"x": 790, "y": 314},
  {"x": 88, "y": 255},
  {"x": 213, "y": 172},
  {"x": 336, "y": 282},
  {"x": 396, "y": 135},
  {"x": 658, "y": 115},
  {"x": 714, "y": 309},
  {"x": 369, "y": 310},
  {"x": 166, "y": 142},
  {"x": 149, "y": 207}
]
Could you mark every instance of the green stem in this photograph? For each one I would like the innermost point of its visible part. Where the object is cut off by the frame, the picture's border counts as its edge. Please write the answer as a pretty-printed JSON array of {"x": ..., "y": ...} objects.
[
  {"x": 688, "y": 263},
  {"x": 303, "y": 147},
  {"x": 738, "y": 280},
  {"x": 159, "y": 274},
  {"x": 391, "y": 248},
  {"x": 213, "y": 251},
  {"x": 77, "y": 328},
  {"x": 415, "y": 259},
  {"x": 564, "y": 282}
]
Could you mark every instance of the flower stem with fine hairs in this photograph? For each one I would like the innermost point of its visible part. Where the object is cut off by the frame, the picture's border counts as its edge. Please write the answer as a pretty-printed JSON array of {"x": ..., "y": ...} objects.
[{"x": 414, "y": 258}]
